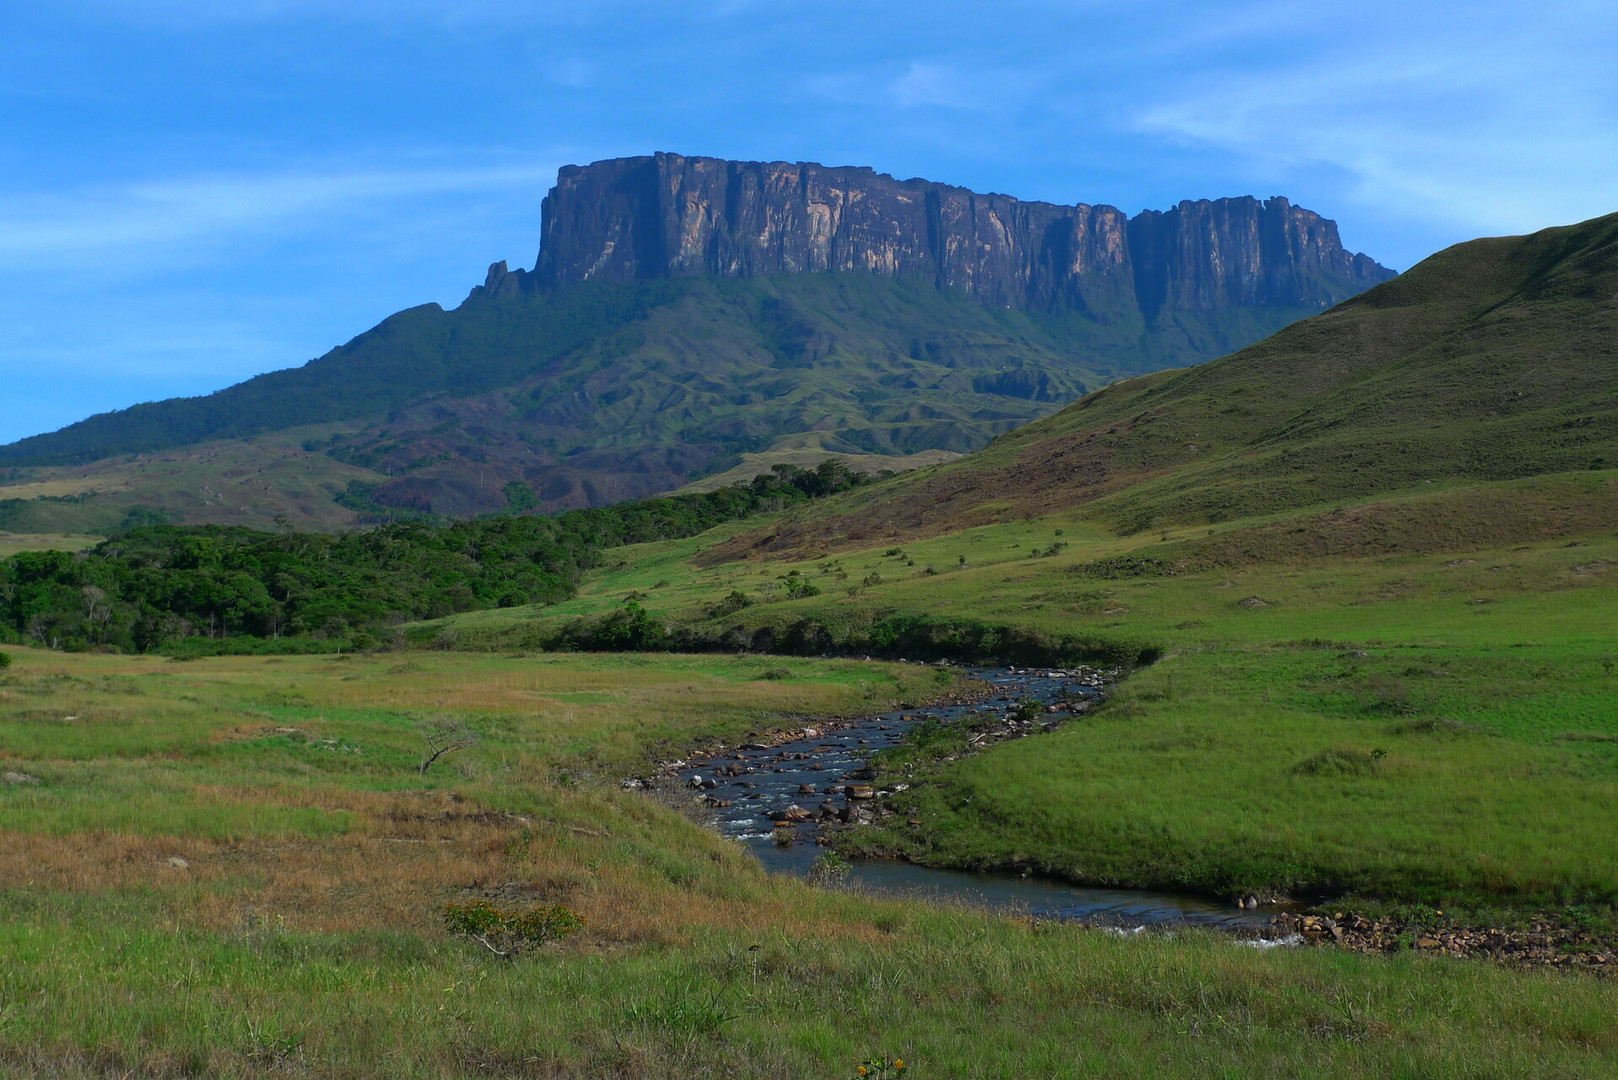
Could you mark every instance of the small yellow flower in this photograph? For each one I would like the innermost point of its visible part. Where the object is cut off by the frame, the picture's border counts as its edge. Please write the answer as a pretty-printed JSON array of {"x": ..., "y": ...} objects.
[
  {"x": 863, "y": 1070},
  {"x": 898, "y": 1063}
]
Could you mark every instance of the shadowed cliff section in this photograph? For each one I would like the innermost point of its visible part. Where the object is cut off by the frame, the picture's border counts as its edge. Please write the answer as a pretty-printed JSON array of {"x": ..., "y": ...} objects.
[
  {"x": 687, "y": 314},
  {"x": 667, "y": 215},
  {"x": 1492, "y": 360}
]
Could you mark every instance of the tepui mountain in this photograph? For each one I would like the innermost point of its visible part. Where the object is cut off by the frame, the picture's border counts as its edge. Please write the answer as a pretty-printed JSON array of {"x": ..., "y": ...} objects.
[{"x": 686, "y": 316}]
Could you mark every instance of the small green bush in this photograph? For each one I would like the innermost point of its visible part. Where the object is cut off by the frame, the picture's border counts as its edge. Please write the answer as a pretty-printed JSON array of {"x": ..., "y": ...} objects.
[
  {"x": 508, "y": 932},
  {"x": 800, "y": 587},
  {"x": 1339, "y": 761},
  {"x": 736, "y": 601},
  {"x": 829, "y": 870}
]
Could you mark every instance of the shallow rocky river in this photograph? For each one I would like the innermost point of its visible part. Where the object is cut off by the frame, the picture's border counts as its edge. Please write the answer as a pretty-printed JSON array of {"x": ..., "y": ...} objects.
[{"x": 762, "y": 795}]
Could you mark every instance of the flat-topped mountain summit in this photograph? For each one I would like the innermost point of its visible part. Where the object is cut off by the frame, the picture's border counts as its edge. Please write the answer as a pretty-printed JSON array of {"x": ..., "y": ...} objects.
[
  {"x": 688, "y": 315},
  {"x": 666, "y": 215}
]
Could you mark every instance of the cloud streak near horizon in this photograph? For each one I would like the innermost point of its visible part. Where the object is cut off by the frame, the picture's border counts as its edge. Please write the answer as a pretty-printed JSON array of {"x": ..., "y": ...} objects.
[
  {"x": 157, "y": 221},
  {"x": 193, "y": 193}
]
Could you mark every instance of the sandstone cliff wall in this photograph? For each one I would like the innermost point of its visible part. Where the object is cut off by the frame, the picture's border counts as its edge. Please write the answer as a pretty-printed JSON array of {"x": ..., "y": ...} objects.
[{"x": 634, "y": 219}]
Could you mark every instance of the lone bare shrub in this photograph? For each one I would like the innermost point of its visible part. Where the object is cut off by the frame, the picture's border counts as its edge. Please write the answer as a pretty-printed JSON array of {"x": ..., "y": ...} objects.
[{"x": 443, "y": 735}]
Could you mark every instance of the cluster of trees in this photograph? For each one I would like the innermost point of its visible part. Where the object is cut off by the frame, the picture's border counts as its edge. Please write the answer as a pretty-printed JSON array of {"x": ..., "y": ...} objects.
[{"x": 155, "y": 585}]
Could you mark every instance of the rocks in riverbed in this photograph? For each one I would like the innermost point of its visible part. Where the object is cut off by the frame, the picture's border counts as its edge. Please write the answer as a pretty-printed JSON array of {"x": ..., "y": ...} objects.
[
  {"x": 1544, "y": 942},
  {"x": 860, "y": 791}
]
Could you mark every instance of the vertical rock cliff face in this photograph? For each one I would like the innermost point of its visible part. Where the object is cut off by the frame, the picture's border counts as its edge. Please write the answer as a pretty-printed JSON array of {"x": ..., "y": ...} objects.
[{"x": 635, "y": 219}]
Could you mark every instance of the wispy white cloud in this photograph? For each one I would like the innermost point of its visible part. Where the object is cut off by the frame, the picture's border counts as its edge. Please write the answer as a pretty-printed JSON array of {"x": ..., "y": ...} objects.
[
  {"x": 575, "y": 73},
  {"x": 1503, "y": 127},
  {"x": 931, "y": 84},
  {"x": 937, "y": 84},
  {"x": 172, "y": 220}
]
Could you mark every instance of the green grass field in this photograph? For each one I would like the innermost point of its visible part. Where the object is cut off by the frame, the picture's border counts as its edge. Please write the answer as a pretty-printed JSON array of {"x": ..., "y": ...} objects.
[
  {"x": 12, "y": 543},
  {"x": 231, "y": 867},
  {"x": 1423, "y": 725}
]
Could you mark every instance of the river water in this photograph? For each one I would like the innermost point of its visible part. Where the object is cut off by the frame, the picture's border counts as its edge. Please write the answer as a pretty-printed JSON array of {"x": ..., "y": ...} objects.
[{"x": 745, "y": 786}]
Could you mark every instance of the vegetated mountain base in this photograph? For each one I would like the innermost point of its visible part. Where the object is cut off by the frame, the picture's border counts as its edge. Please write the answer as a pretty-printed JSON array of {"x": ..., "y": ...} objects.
[
  {"x": 597, "y": 394},
  {"x": 256, "y": 482}
]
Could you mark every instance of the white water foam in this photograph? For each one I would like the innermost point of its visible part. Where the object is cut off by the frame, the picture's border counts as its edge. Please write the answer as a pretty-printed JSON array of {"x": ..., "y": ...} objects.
[{"x": 1271, "y": 943}]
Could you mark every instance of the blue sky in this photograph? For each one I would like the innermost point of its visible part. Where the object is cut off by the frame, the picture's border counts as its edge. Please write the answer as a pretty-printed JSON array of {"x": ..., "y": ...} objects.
[{"x": 195, "y": 192}]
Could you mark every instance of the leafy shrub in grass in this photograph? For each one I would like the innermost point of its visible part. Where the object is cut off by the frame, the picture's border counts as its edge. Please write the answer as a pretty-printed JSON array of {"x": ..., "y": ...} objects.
[
  {"x": 829, "y": 870},
  {"x": 1340, "y": 761},
  {"x": 684, "y": 1008},
  {"x": 736, "y": 601},
  {"x": 508, "y": 932},
  {"x": 5, "y": 661},
  {"x": 1438, "y": 725},
  {"x": 800, "y": 587}
]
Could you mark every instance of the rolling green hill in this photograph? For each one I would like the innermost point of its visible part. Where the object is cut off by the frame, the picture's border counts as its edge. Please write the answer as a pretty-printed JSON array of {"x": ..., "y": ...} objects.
[{"x": 1491, "y": 360}]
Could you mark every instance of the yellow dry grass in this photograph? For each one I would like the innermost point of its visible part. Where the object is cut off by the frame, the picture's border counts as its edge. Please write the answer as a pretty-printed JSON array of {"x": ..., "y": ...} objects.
[{"x": 242, "y": 739}]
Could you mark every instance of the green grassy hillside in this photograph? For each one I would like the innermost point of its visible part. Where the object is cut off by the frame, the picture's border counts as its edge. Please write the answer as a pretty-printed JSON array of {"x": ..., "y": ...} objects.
[
  {"x": 257, "y": 481},
  {"x": 1493, "y": 359}
]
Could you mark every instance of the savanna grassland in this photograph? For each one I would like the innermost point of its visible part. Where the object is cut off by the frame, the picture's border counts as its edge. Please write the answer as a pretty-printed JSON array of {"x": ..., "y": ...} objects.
[
  {"x": 1426, "y": 725},
  {"x": 232, "y": 866}
]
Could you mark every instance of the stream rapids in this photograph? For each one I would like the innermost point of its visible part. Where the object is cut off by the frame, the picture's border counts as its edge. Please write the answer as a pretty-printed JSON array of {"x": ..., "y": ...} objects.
[{"x": 779, "y": 798}]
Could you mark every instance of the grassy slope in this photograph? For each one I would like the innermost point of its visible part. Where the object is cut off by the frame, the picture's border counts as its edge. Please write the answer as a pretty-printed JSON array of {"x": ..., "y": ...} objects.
[
  {"x": 1465, "y": 756},
  {"x": 809, "y": 452},
  {"x": 300, "y": 930},
  {"x": 1490, "y": 360},
  {"x": 12, "y": 543},
  {"x": 240, "y": 482}
]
